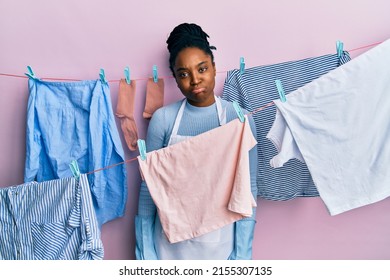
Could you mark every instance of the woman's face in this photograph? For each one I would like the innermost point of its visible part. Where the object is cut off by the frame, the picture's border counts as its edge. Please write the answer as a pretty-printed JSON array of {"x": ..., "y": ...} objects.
[{"x": 195, "y": 76}]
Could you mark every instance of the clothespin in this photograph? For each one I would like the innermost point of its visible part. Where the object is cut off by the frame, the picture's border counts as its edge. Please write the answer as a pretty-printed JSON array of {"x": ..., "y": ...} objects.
[
  {"x": 30, "y": 73},
  {"x": 239, "y": 112},
  {"x": 280, "y": 90},
  {"x": 339, "y": 48},
  {"x": 155, "y": 74},
  {"x": 74, "y": 167},
  {"x": 127, "y": 74},
  {"x": 242, "y": 65},
  {"x": 102, "y": 76},
  {"x": 142, "y": 148}
]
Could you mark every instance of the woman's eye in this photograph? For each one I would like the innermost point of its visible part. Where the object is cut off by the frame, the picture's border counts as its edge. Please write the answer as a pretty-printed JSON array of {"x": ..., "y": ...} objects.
[
  {"x": 183, "y": 74},
  {"x": 203, "y": 69}
]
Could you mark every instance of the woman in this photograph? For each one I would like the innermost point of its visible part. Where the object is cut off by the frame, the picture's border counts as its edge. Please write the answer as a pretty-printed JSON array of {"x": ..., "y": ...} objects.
[{"x": 192, "y": 64}]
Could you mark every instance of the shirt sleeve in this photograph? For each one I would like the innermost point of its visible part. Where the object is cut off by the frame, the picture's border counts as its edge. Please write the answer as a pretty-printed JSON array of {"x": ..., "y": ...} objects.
[
  {"x": 155, "y": 139},
  {"x": 33, "y": 137},
  {"x": 144, "y": 221},
  {"x": 244, "y": 228}
]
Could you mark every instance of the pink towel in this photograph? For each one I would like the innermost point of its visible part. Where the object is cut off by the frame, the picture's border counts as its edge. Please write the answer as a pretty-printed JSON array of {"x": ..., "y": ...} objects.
[{"x": 203, "y": 183}]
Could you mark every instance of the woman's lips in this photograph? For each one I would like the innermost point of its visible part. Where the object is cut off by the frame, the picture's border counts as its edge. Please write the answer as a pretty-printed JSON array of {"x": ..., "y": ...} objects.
[{"x": 198, "y": 90}]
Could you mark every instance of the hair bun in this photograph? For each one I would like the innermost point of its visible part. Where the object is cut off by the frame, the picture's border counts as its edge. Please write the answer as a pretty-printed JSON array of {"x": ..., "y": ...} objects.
[{"x": 186, "y": 33}]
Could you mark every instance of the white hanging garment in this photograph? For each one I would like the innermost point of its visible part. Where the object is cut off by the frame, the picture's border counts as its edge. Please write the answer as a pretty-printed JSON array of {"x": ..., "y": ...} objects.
[{"x": 339, "y": 124}]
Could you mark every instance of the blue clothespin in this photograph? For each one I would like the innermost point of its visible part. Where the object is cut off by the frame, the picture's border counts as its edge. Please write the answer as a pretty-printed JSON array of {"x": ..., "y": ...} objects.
[
  {"x": 127, "y": 75},
  {"x": 155, "y": 74},
  {"x": 142, "y": 148},
  {"x": 102, "y": 76},
  {"x": 242, "y": 65},
  {"x": 339, "y": 48},
  {"x": 239, "y": 112},
  {"x": 74, "y": 167},
  {"x": 30, "y": 73},
  {"x": 280, "y": 90}
]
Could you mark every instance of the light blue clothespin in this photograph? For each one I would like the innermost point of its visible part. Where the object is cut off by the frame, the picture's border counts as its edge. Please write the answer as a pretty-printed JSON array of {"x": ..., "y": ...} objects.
[
  {"x": 242, "y": 65},
  {"x": 30, "y": 73},
  {"x": 102, "y": 76},
  {"x": 239, "y": 112},
  {"x": 127, "y": 75},
  {"x": 280, "y": 90},
  {"x": 74, "y": 167},
  {"x": 142, "y": 148},
  {"x": 155, "y": 74},
  {"x": 339, "y": 48}
]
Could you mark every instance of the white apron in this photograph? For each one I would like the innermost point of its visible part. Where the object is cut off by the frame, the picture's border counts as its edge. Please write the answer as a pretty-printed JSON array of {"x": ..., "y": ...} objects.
[{"x": 217, "y": 244}]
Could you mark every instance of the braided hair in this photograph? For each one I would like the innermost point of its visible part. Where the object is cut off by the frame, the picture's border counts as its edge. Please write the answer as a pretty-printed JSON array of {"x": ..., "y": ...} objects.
[{"x": 187, "y": 35}]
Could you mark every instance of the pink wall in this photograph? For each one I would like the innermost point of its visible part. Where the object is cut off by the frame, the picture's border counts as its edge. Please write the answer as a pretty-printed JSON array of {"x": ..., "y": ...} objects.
[{"x": 74, "y": 39}]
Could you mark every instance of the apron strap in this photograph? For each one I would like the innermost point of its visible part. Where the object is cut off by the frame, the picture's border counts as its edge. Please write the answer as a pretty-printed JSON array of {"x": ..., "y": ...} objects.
[
  {"x": 178, "y": 118},
  {"x": 221, "y": 112},
  {"x": 221, "y": 116}
]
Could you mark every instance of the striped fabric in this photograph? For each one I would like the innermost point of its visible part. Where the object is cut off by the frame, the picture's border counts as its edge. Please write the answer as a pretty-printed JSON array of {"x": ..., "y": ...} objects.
[
  {"x": 256, "y": 88},
  {"x": 52, "y": 220}
]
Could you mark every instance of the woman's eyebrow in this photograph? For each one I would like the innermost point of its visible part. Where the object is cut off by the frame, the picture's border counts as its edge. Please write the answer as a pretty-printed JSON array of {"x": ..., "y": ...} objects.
[{"x": 183, "y": 68}]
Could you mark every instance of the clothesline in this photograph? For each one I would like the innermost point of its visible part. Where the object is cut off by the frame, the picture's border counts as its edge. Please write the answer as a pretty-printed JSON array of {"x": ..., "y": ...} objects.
[
  {"x": 163, "y": 77},
  {"x": 251, "y": 113},
  {"x": 135, "y": 158}
]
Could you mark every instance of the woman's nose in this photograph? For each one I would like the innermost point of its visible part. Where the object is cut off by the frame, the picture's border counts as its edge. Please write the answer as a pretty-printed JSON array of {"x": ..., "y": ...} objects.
[{"x": 194, "y": 79}]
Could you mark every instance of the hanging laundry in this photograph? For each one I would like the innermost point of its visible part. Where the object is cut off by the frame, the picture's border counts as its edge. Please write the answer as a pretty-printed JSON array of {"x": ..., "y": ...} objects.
[
  {"x": 256, "y": 88},
  {"x": 51, "y": 220},
  {"x": 74, "y": 121},
  {"x": 233, "y": 240},
  {"x": 173, "y": 173},
  {"x": 340, "y": 125},
  {"x": 125, "y": 113},
  {"x": 154, "y": 97}
]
